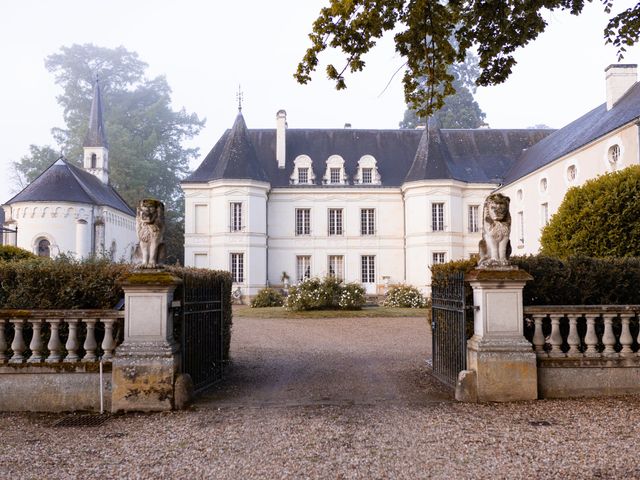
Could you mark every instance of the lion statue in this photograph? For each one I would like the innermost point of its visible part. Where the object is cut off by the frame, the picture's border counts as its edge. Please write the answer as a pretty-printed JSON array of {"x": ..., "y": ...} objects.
[
  {"x": 495, "y": 246},
  {"x": 150, "y": 230}
]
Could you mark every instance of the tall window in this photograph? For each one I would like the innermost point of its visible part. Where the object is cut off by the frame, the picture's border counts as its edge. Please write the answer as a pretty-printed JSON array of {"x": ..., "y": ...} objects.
[
  {"x": 438, "y": 257},
  {"x": 367, "y": 221},
  {"x": 237, "y": 267},
  {"x": 437, "y": 217},
  {"x": 303, "y": 175},
  {"x": 335, "y": 175},
  {"x": 303, "y": 267},
  {"x": 335, "y": 221},
  {"x": 521, "y": 226},
  {"x": 367, "y": 175},
  {"x": 94, "y": 160},
  {"x": 336, "y": 266},
  {"x": 544, "y": 214},
  {"x": 303, "y": 221},
  {"x": 235, "y": 220},
  {"x": 473, "y": 218},
  {"x": 368, "y": 268}
]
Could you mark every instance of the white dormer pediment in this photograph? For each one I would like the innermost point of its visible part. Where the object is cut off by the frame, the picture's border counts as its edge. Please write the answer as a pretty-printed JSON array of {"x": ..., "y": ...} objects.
[
  {"x": 367, "y": 173},
  {"x": 302, "y": 171},
  {"x": 335, "y": 174}
]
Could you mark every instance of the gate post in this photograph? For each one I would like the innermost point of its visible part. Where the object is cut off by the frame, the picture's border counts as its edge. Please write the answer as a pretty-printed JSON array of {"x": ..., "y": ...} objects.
[
  {"x": 502, "y": 359},
  {"x": 146, "y": 363}
]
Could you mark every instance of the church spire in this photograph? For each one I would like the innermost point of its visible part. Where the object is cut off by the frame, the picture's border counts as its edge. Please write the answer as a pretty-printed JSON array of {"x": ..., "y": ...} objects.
[
  {"x": 96, "y": 136},
  {"x": 96, "y": 148}
]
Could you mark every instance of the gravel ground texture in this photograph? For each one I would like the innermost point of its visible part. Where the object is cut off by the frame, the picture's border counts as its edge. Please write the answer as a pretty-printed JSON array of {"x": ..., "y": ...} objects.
[{"x": 337, "y": 400}]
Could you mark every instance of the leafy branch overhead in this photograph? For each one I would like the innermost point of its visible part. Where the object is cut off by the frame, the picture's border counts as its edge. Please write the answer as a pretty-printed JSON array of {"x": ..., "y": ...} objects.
[{"x": 433, "y": 35}]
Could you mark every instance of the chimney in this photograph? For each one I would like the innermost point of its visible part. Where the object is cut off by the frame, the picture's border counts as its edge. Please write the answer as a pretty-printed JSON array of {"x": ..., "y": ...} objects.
[
  {"x": 347, "y": 125},
  {"x": 619, "y": 78},
  {"x": 281, "y": 138}
]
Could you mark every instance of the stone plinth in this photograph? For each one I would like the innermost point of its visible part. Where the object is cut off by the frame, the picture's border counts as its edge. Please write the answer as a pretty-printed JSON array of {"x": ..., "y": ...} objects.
[
  {"x": 146, "y": 364},
  {"x": 502, "y": 359}
]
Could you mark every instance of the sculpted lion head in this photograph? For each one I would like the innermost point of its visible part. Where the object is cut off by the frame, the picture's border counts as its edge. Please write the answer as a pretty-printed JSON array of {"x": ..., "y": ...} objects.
[
  {"x": 150, "y": 211},
  {"x": 497, "y": 207}
]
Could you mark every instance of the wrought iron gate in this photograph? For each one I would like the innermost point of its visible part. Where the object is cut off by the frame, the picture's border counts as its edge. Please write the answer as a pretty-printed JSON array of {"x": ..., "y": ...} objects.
[
  {"x": 199, "y": 327},
  {"x": 449, "y": 327}
]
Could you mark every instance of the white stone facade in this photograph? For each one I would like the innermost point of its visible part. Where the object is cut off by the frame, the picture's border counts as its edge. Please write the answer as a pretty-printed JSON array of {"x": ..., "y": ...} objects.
[{"x": 272, "y": 241}]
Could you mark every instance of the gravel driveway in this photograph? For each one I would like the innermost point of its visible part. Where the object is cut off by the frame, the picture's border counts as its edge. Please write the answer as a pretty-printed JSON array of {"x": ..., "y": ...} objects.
[{"x": 334, "y": 399}]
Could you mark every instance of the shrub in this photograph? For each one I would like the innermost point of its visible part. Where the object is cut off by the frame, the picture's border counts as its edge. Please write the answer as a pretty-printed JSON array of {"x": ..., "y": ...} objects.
[
  {"x": 352, "y": 297},
  {"x": 267, "y": 297},
  {"x": 404, "y": 296},
  {"x": 597, "y": 219},
  {"x": 9, "y": 253},
  {"x": 327, "y": 293}
]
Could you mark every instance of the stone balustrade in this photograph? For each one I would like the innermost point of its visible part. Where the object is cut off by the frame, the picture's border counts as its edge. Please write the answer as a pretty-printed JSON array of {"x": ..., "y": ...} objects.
[
  {"x": 54, "y": 336},
  {"x": 583, "y": 331}
]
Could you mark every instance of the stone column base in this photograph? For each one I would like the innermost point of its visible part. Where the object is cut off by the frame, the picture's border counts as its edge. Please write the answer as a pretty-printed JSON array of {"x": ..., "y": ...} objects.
[
  {"x": 505, "y": 370},
  {"x": 144, "y": 377}
]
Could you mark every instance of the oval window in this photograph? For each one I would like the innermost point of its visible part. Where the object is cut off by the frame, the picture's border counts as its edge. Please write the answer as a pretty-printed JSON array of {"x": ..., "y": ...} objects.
[
  {"x": 543, "y": 185},
  {"x": 614, "y": 154},
  {"x": 571, "y": 173}
]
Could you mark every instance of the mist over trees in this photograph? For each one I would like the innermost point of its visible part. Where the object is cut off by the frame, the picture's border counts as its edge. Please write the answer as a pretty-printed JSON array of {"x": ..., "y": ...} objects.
[
  {"x": 146, "y": 153},
  {"x": 432, "y": 35},
  {"x": 460, "y": 110}
]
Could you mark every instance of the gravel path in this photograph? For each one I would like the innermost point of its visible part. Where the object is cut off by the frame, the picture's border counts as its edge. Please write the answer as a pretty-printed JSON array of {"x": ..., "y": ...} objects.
[{"x": 271, "y": 419}]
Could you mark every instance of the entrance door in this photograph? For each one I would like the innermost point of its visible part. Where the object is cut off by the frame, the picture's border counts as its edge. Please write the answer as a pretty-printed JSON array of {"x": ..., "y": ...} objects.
[{"x": 368, "y": 273}]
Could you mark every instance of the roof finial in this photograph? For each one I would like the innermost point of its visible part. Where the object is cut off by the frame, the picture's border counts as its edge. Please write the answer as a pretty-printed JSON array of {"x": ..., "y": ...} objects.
[{"x": 239, "y": 98}]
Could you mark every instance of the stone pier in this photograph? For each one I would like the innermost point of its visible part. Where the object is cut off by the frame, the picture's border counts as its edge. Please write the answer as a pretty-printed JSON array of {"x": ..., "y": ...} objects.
[
  {"x": 146, "y": 364},
  {"x": 501, "y": 362}
]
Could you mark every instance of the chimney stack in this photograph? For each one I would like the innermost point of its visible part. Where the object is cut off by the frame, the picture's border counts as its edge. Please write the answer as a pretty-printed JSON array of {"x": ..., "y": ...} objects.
[
  {"x": 619, "y": 78},
  {"x": 281, "y": 138}
]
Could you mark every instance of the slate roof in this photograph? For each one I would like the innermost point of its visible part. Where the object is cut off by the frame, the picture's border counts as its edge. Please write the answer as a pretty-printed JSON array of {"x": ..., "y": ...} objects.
[
  {"x": 63, "y": 182},
  {"x": 467, "y": 155},
  {"x": 96, "y": 135},
  {"x": 595, "y": 124}
]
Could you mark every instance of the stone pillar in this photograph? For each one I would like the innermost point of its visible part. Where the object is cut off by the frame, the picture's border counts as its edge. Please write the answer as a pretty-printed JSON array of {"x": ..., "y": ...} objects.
[
  {"x": 146, "y": 364},
  {"x": 501, "y": 358}
]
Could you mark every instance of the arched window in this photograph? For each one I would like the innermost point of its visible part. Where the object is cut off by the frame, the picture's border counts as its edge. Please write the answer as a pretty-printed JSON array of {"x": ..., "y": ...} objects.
[
  {"x": 44, "y": 248},
  {"x": 94, "y": 159},
  {"x": 113, "y": 250}
]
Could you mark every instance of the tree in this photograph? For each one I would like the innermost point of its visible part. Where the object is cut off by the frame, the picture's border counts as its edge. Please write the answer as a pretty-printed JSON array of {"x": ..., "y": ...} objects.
[
  {"x": 33, "y": 164},
  {"x": 146, "y": 155},
  {"x": 597, "y": 219},
  {"x": 434, "y": 34},
  {"x": 460, "y": 110}
]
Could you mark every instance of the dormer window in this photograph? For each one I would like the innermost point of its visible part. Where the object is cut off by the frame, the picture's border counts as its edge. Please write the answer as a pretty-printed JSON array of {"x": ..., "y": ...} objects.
[
  {"x": 302, "y": 171},
  {"x": 335, "y": 174},
  {"x": 367, "y": 173}
]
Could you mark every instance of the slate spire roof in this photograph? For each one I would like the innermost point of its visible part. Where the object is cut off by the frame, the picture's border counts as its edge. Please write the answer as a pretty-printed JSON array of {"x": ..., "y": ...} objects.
[
  {"x": 234, "y": 156},
  {"x": 63, "y": 182},
  {"x": 96, "y": 135}
]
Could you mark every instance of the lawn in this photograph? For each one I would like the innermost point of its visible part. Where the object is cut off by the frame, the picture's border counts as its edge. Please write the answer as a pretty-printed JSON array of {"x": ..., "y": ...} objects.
[{"x": 241, "y": 311}]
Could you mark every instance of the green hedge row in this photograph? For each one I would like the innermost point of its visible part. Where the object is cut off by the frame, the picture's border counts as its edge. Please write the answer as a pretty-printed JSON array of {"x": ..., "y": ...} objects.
[
  {"x": 66, "y": 283},
  {"x": 570, "y": 281}
]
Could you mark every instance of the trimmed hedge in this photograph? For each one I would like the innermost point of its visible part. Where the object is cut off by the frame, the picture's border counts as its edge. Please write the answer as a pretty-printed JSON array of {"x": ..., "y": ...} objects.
[
  {"x": 571, "y": 281},
  {"x": 9, "y": 253},
  {"x": 66, "y": 283}
]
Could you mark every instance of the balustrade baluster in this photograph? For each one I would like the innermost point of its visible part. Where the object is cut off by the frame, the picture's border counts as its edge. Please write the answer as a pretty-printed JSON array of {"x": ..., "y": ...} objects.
[
  {"x": 609, "y": 339},
  {"x": 54, "y": 345},
  {"x": 108, "y": 344},
  {"x": 625, "y": 336},
  {"x": 556, "y": 338},
  {"x": 591, "y": 338},
  {"x": 18, "y": 346},
  {"x": 36, "y": 344},
  {"x": 538, "y": 336},
  {"x": 72, "y": 341},
  {"x": 90, "y": 344},
  {"x": 573, "y": 339},
  {"x": 3, "y": 341}
]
